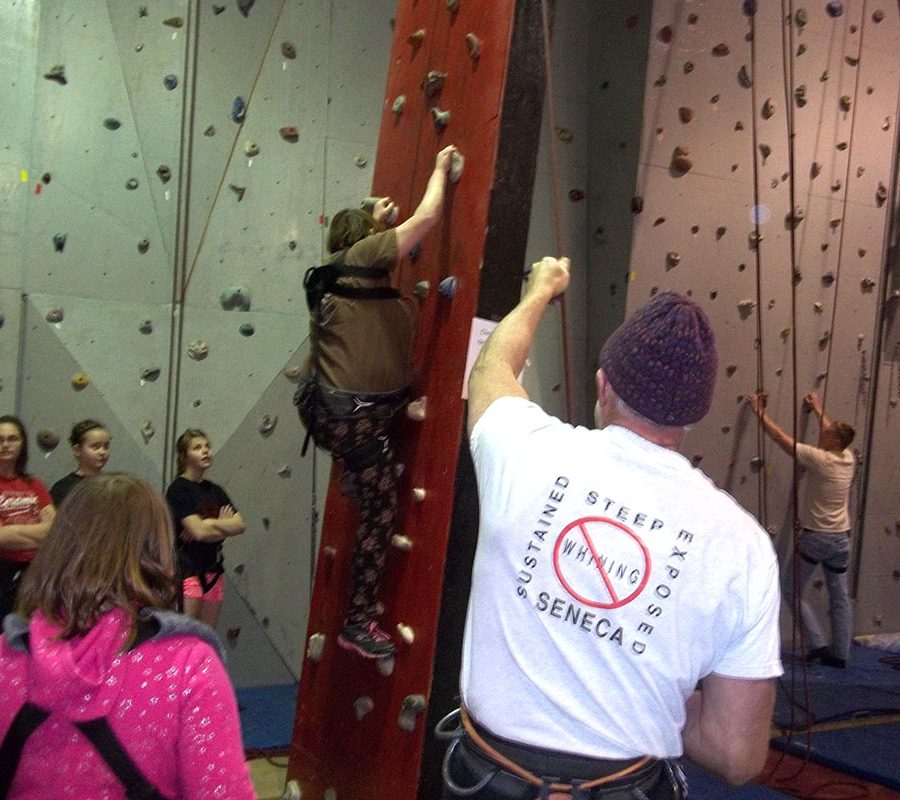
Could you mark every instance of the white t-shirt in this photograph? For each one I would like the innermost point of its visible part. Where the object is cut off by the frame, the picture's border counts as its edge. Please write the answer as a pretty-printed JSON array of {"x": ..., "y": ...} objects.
[
  {"x": 563, "y": 654},
  {"x": 829, "y": 476}
]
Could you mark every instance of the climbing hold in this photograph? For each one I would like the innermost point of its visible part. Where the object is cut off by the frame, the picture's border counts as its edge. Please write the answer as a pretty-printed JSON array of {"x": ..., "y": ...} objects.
[
  {"x": 453, "y": 5},
  {"x": 198, "y": 350},
  {"x": 406, "y": 633},
  {"x": 713, "y": 294},
  {"x": 251, "y": 149},
  {"x": 174, "y": 22},
  {"x": 210, "y": 130},
  {"x": 880, "y": 194},
  {"x": 886, "y": 125},
  {"x": 688, "y": 67},
  {"x": 801, "y": 17},
  {"x": 412, "y": 706},
  {"x": 238, "y": 110},
  {"x": 475, "y": 46},
  {"x": 835, "y": 8},
  {"x": 54, "y": 315},
  {"x": 47, "y": 440},
  {"x": 401, "y": 542},
  {"x": 672, "y": 259},
  {"x": 165, "y": 174},
  {"x": 575, "y": 195},
  {"x": 236, "y": 298},
  {"x": 244, "y": 6},
  {"x": 112, "y": 124},
  {"x": 360, "y": 161},
  {"x": 315, "y": 646},
  {"x": 417, "y": 37},
  {"x": 754, "y": 239},
  {"x": 861, "y": 252},
  {"x": 836, "y": 185},
  {"x": 238, "y": 190},
  {"x": 246, "y": 329},
  {"x": 828, "y": 278},
  {"x": 730, "y": 369},
  {"x": 660, "y": 81},
  {"x": 289, "y": 133},
  {"x": 288, "y": 50},
  {"x": 744, "y": 78},
  {"x": 739, "y": 126},
  {"x": 665, "y": 34},
  {"x": 721, "y": 49},
  {"x": 418, "y": 494},
  {"x": 841, "y": 146},
  {"x": 363, "y": 705},
  {"x": 835, "y": 223},
  {"x": 146, "y": 327},
  {"x": 714, "y": 99},
  {"x": 79, "y": 381},
  {"x": 685, "y": 114},
  {"x": 745, "y": 307},
  {"x": 756, "y": 463},
  {"x": 795, "y": 217},
  {"x": 877, "y": 15},
  {"x": 681, "y": 161},
  {"x": 801, "y": 49},
  {"x": 57, "y": 74},
  {"x": 765, "y": 151},
  {"x": 447, "y": 287},
  {"x": 815, "y": 169},
  {"x": 131, "y": 184},
  {"x": 217, "y": 9},
  {"x": 637, "y": 204},
  {"x": 421, "y": 289},
  {"x": 399, "y": 103},
  {"x": 720, "y": 232},
  {"x": 867, "y": 284},
  {"x": 457, "y": 165},
  {"x": 800, "y": 95},
  {"x": 433, "y": 82},
  {"x": 267, "y": 424},
  {"x": 768, "y": 109},
  {"x": 860, "y": 171},
  {"x": 695, "y": 460},
  {"x": 785, "y": 333},
  {"x": 59, "y": 241},
  {"x": 441, "y": 118},
  {"x": 170, "y": 82},
  {"x": 292, "y": 373},
  {"x": 143, "y": 246},
  {"x": 845, "y": 102},
  {"x": 824, "y": 339},
  {"x": 416, "y": 410}
]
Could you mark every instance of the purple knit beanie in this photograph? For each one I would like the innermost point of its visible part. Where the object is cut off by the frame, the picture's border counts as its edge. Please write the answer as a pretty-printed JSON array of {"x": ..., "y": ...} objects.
[{"x": 662, "y": 361}]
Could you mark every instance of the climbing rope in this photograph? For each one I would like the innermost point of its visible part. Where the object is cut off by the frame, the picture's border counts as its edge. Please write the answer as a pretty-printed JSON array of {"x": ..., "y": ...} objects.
[{"x": 557, "y": 206}]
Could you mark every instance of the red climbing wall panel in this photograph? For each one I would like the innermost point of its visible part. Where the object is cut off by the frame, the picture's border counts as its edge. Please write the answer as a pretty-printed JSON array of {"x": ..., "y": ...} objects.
[{"x": 373, "y": 757}]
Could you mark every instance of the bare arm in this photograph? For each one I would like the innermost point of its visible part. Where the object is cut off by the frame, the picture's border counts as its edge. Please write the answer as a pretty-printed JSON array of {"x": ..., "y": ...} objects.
[
  {"x": 503, "y": 355},
  {"x": 815, "y": 404},
  {"x": 728, "y": 726},
  {"x": 230, "y": 522},
  {"x": 197, "y": 529},
  {"x": 779, "y": 436},
  {"x": 411, "y": 231},
  {"x": 16, "y": 538}
]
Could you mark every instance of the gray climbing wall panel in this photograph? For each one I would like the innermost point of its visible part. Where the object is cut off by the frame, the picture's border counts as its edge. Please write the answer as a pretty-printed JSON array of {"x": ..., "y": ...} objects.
[
  {"x": 153, "y": 221},
  {"x": 691, "y": 231}
]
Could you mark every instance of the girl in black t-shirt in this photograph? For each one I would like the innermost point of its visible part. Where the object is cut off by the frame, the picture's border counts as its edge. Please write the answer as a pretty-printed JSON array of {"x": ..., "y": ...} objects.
[
  {"x": 204, "y": 516},
  {"x": 90, "y": 446}
]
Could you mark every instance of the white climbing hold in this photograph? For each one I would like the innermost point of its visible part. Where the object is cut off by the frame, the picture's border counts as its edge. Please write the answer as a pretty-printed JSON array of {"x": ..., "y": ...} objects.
[
  {"x": 418, "y": 494},
  {"x": 417, "y": 409},
  {"x": 412, "y": 706},
  {"x": 363, "y": 705},
  {"x": 385, "y": 666},
  {"x": 198, "y": 350},
  {"x": 292, "y": 791},
  {"x": 406, "y": 633},
  {"x": 457, "y": 164},
  {"x": 315, "y": 646},
  {"x": 401, "y": 542}
]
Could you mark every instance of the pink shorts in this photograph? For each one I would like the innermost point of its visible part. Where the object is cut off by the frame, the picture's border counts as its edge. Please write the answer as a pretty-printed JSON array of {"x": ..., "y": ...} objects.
[{"x": 193, "y": 589}]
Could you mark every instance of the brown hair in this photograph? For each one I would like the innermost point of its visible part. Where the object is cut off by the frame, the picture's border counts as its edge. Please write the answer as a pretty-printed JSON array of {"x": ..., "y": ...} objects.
[
  {"x": 110, "y": 546},
  {"x": 79, "y": 429},
  {"x": 183, "y": 442},
  {"x": 349, "y": 226},
  {"x": 845, "y": 433}
]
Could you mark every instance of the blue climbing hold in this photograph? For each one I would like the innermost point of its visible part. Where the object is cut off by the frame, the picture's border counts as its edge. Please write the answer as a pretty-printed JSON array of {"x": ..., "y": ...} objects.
[
  {"x": 170, "y": 82},
  {"x": 447, "y": 287},
  {"x": 238, "y": 110},
  {"x": 835, "y": 8},
  {"x": 749, "y": 7}
]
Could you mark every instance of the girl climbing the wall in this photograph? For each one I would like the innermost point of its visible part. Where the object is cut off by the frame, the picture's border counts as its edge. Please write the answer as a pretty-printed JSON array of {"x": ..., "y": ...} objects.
[
  {"x": 90, "y": 446},
  {"x": 26, "y": 510},
  {"x": 204, "y": 517},
  {"x": 358, "y": 375}
]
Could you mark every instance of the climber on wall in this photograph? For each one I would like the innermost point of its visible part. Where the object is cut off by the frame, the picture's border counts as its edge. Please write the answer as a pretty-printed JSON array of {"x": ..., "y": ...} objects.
[{"x": 358, "y": 375}]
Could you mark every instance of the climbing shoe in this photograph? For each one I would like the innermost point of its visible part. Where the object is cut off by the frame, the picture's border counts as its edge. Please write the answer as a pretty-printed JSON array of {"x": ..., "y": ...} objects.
[{"x": 366, "y": 639}]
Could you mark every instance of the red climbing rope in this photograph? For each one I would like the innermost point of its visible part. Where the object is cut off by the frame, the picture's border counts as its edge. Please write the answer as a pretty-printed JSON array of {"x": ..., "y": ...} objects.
[{"x": 560, "y": 248}]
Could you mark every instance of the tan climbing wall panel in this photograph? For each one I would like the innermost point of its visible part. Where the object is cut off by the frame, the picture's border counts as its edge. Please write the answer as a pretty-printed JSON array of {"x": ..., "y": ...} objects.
[{"x": 10, "y": 314}]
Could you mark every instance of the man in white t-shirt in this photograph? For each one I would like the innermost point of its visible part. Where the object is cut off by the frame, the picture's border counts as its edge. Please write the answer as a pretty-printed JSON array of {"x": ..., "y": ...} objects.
[
  {"x": 825, "y": 535},
  {"x": 624, "y": 611}
]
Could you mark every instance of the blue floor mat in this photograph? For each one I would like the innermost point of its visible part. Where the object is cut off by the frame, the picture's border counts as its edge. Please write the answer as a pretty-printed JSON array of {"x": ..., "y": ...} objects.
[
  {"x": 703, "y": 785},
  {"x": 267, "y": 716}
]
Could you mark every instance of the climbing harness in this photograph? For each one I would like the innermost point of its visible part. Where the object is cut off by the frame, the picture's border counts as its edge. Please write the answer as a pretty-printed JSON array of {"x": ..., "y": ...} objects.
[{"x": 547, "y": 788}]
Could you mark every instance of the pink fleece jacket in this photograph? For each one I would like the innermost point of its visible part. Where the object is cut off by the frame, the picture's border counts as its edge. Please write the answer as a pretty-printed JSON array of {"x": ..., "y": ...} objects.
[{"x": 169, "y": 701}]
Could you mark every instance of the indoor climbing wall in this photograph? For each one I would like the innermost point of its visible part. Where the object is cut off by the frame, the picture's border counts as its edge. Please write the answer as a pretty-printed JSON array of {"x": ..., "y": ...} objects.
[
  {"x": 169, "y": 189},
  {"x": 784, "y": 247},
  {"x": 360, "y": 724}
]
